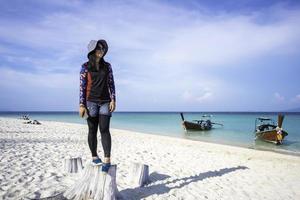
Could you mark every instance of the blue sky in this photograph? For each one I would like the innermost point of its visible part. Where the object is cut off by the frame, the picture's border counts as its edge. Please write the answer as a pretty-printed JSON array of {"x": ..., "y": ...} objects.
[{"x": 166, "y": 55}]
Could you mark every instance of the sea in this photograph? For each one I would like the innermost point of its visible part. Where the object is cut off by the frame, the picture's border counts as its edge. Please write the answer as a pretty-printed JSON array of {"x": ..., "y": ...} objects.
[{"x": 237, "y": 130}]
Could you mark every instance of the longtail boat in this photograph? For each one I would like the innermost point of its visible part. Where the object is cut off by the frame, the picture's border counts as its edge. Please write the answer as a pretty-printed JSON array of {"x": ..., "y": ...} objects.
[
  {"x": 203, "y": 124},
  {"x": 267, "y": 130}
]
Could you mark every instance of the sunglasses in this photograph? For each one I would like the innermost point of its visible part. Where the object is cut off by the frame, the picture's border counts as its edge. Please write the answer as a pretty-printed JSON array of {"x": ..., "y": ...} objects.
[{"x": 100, "y": 47}]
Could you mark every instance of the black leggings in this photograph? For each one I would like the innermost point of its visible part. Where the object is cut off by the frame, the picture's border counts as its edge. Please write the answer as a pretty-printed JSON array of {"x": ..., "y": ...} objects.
[{"x": 103, "y": 122}]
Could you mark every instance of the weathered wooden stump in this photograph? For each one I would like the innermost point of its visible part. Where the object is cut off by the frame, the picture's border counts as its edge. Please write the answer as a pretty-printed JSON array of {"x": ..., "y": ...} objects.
[
  {"x": 94, "y": 184},
  {"x": 139, "y": 174},
  {"x": 73, "y": 165}
]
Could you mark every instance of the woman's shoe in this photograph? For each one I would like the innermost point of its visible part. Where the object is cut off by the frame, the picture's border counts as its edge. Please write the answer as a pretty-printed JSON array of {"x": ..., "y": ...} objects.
[
  {"x": 97, "y": 161},
  {"x": 105, "y": 167}
]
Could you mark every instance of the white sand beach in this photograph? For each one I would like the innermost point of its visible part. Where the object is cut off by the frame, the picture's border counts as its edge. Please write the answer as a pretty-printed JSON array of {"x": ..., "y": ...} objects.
[{"x": 31, "y": 158}]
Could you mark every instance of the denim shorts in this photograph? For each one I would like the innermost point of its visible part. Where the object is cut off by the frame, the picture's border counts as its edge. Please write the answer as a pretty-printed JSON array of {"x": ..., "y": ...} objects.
[{"x": 95, "y": 109}]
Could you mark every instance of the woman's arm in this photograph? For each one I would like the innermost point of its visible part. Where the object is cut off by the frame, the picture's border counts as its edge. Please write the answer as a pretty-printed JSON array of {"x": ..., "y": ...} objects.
[
  {"x": 82, "y": 87},
  {"x": 111, "y": 84}
]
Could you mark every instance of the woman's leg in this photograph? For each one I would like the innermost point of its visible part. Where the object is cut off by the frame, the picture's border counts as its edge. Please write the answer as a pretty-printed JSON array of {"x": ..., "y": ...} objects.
[
  {"x": 93, "y": 120},
  {"x": 92, "y": 136},
  {"x": 104, "y": 121}
]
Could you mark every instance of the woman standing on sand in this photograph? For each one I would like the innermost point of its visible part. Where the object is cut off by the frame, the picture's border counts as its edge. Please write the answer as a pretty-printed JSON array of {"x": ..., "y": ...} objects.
[{"x": 97, "y": 99}]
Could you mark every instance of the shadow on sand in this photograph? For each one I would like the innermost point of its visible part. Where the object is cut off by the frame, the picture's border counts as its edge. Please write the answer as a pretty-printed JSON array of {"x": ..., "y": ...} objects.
[{"x": 143, "y": 192}]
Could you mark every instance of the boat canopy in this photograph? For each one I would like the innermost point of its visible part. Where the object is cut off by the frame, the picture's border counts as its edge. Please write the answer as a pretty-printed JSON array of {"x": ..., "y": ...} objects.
[
  {"x": 264, "y": 118},
  {"x": 206, "y": 115}
]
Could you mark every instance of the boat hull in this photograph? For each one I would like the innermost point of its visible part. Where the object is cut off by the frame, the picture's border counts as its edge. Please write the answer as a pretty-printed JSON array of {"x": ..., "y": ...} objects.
[
  {"x": 195, "y": 126},
  {"x": 271, "y": 136}
]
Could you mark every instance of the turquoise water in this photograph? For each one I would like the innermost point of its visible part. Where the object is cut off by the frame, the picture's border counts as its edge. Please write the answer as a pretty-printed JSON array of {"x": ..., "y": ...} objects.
[{"x": 237, "y": 131}]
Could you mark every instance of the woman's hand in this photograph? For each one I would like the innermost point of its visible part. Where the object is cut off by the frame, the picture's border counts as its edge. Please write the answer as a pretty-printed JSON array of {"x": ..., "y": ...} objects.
[
  {"x": 112, "y": 106},
  {"x": 82, "y": 110}
]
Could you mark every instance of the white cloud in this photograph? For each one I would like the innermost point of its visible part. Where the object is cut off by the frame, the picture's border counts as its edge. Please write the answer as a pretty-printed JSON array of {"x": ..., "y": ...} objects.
[
  {"x": 191, "y": 96},
  {"x": 43, "y": 91},
  {"x": 173, "y": 36},
  {"x": 162, "y": 57},
  {"x": 296, "y": 99},
  {"x": 220, "y": 43},
  {"x": 278, "y": 97},
  {"x": 17, "y": 80}
]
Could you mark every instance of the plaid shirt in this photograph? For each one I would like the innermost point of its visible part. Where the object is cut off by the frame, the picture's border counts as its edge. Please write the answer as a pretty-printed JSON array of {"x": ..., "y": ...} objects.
[{"x": 83, "y": 83}]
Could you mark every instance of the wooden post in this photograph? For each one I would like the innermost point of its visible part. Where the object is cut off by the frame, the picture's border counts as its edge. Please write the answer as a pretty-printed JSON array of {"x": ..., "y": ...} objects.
[
  {"x": 94, "y": 184},
  {"x": 139, "y": 174},
  {"x": 73, "y": 165}
]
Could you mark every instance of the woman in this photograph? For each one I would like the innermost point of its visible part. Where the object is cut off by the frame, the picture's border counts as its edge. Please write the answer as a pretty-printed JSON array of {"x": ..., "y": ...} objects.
[{"x": 97, "y": 99}]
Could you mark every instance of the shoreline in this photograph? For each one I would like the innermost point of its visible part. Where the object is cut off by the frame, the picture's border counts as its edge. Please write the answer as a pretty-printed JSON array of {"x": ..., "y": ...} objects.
[
  {"x": 210, "y": 112},
  {"x": 281, "y": 151},
  {"x": 287, "y": 152},
  {"x": 179, "y": 168}
]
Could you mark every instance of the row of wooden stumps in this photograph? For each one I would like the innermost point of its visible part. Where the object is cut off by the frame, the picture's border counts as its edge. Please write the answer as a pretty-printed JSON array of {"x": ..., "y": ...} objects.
[{"x": 97, "y": 185}]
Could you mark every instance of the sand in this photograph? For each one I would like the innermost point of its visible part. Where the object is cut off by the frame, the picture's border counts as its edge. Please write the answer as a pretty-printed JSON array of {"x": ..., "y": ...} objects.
[{"x": 32, "y": 159}]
